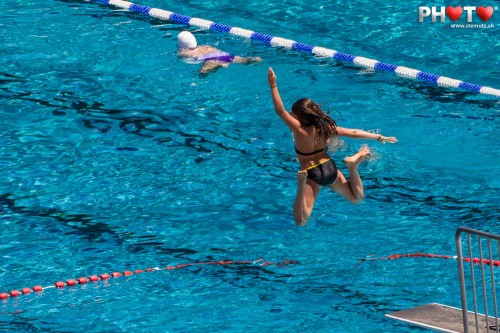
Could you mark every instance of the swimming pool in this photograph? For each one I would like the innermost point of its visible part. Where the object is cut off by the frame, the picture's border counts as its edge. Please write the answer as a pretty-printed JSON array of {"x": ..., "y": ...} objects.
[{"x": 117, "y": 156}]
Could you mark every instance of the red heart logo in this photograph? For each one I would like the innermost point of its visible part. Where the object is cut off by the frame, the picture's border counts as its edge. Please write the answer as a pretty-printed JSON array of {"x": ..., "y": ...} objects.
[
  {"x": 454, "y": 13},
  {"x": 484, "y": 13}
]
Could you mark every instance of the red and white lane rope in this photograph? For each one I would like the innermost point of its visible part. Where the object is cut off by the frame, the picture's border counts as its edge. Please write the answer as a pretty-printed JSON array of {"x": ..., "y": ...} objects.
[
  {"x": 436, "y": 256},
  {"x": 106, "y": 276}
]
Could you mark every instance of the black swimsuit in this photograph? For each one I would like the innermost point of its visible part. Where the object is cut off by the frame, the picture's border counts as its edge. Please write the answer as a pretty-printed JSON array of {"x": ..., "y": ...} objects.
[
  {"x": 324, "y": 173},
  {"x": 310, "y": 154}
]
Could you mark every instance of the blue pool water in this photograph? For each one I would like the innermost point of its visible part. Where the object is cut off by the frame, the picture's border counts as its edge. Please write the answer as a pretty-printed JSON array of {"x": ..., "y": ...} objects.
[{"x": 117, "y": 156}]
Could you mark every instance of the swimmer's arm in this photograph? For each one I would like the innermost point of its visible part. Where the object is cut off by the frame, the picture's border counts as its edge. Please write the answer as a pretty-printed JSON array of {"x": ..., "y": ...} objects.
[
  {"x": 360, "y": 134},
  {"x": 290, "y": 121}
]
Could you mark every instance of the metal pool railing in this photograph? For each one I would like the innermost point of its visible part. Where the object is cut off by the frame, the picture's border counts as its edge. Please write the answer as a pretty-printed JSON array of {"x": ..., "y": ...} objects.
[
  {"x": 402, "y": 71},
  {"x": 478, "y": 279}
]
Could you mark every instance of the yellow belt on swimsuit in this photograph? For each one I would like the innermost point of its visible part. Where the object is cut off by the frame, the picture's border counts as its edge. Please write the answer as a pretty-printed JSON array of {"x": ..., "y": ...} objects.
[{"x": 314, "y": 166}]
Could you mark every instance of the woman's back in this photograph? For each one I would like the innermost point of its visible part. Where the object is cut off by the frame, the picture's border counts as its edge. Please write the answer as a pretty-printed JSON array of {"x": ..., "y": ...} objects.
[{"x": 310, "y": 148}]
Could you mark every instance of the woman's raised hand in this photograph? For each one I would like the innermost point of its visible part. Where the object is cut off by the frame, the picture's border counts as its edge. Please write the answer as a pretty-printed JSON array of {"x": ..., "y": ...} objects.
[{"x": 271, "y": 78}]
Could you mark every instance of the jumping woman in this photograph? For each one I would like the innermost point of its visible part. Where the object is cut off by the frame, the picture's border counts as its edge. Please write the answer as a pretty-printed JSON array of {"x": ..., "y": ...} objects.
[{"x": 312, "y": 130}]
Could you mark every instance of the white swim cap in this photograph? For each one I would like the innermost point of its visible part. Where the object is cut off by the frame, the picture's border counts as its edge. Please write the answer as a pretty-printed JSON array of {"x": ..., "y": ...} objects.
[{"x": 186, "y": 40}]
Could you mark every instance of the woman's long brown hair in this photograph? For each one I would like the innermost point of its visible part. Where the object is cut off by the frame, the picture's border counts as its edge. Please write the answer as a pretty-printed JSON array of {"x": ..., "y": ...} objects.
[{"x": 310, "y": 114}]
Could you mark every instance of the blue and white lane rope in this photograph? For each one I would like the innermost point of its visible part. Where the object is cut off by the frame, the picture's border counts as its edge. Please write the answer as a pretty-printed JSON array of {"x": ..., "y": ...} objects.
[{"x": 406, "y": 72}]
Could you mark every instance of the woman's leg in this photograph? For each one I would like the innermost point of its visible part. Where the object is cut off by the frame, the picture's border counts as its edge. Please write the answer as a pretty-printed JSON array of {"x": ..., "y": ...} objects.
[
  {"x": 307, "y": 192},
  {"x": 352, "y": 190}
]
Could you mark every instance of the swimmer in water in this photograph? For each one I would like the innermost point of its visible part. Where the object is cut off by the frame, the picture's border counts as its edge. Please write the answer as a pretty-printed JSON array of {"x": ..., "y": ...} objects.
[
  {"x": 211, "y": 57},
  {"x": 312, "y": 130}
]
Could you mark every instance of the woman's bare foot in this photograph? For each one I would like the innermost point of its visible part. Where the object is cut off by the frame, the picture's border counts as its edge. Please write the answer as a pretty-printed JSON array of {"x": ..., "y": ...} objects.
[
  {"x": 302, "y": 177},
  {"x": 354, "y": 160}
]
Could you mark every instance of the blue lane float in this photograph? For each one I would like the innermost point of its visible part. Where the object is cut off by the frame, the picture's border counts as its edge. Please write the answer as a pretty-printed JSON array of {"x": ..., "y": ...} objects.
[{"x": 367, "y": 63}]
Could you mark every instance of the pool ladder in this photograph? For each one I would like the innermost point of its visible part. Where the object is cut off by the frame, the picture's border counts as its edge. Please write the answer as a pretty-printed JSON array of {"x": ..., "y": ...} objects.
[{"x": 478, "y": 255}]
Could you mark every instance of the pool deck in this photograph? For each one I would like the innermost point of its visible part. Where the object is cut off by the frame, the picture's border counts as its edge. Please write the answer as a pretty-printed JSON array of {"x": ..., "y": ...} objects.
[{"x": 442, "y": 318}]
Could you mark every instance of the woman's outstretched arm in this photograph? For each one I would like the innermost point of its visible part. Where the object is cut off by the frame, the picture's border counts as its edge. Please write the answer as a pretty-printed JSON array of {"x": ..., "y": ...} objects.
[{"x": 360, "y": 134}]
